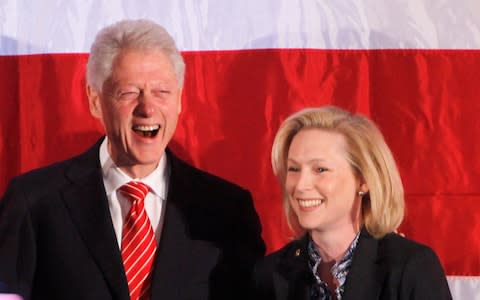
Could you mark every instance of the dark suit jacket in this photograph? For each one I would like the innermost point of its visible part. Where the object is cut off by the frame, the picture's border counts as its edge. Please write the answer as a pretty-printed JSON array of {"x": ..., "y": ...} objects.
[
  {"x": 390, "y": 268},
  {"x": 57, "y": 239}
]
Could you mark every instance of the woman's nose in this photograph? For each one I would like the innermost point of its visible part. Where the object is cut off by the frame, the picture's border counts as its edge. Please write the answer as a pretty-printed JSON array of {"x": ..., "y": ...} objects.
[{"x": 304, "y": 180}]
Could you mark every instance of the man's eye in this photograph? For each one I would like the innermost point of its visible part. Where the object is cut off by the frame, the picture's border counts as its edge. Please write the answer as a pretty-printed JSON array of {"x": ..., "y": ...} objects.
[
  {"x": 160, "y": 92},
  {"x": 128, "y": 95}
]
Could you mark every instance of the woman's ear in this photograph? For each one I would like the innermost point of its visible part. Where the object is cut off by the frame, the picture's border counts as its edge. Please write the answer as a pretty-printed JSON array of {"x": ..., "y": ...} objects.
[{"x": 363, "y": 186}]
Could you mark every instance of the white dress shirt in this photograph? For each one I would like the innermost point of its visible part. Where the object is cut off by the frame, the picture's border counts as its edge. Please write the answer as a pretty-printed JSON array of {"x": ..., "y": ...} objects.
[{"x": 114, "y": 178}]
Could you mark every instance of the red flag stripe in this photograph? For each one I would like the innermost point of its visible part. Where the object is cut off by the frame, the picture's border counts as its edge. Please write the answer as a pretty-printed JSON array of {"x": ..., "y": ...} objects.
[{"x": 426, "y": 113}]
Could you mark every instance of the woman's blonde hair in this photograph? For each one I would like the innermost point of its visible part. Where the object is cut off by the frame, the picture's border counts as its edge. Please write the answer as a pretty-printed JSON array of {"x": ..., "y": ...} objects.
[{"x": 368, "y": 154}]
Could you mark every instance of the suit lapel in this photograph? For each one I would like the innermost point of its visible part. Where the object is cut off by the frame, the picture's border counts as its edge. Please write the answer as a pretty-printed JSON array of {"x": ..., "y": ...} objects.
[
  {"x": 175, "y": 248},
  {"x": 293, "y": 276},
  {"x": 365, "y": 278},
  {"x": 87, "y": 203},
  {"x": 171, "y": 265}
]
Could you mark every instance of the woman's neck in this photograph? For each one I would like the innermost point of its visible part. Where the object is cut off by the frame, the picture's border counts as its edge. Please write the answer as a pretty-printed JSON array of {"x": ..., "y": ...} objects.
[{"x": 332, "y": 244}]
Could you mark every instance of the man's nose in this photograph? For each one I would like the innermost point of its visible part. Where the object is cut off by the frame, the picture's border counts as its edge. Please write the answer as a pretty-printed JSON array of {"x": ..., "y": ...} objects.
[{"x": 146, "y": 105}]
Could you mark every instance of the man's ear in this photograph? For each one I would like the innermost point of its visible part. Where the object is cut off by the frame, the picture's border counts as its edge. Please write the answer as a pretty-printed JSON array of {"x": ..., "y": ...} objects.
[
  {"x": 94, "y": 102},
  {"x": 179, "y": 108}
]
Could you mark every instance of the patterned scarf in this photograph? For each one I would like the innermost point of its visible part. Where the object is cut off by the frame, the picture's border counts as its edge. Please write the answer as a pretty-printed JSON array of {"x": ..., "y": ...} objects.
[{"x": 319, "y": 290}]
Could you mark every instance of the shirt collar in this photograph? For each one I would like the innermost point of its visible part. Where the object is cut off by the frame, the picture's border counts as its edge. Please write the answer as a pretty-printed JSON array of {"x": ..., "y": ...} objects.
[{"x": 114, "y": 178}]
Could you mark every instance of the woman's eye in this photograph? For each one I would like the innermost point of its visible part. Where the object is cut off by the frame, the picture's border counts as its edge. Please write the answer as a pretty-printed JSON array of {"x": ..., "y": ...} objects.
[
  {"x": 320, "y": 169},
  {"x": 293, "y": 169}
]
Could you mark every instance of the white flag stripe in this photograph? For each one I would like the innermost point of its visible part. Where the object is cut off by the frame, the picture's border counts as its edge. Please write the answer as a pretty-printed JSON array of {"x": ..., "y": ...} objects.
[
  {"x": 464, "y": 287},
  {"x": 66, "y": 26}
]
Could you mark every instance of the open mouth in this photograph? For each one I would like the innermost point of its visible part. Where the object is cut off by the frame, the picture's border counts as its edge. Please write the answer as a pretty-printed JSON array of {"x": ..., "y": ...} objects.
[
  {"x": 146, "y": 130},
  {"x": 308, "y": 203}
]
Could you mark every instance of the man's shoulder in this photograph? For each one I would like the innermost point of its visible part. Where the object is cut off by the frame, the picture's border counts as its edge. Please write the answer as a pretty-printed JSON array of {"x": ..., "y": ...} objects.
[
  {"x": 201, "y": 179},
  {"x": 49, "y": 177},
  {"x": 42, "y": 178},
  {"x": 215, "y": 209}
]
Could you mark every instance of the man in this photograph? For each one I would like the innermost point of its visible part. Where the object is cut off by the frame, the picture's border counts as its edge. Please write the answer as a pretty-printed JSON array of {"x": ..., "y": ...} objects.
[{"x": 84, "y": 229}]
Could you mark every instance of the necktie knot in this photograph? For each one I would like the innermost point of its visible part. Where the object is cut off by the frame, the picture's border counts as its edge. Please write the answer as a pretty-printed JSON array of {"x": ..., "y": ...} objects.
[{"x": 135, "y": 190}]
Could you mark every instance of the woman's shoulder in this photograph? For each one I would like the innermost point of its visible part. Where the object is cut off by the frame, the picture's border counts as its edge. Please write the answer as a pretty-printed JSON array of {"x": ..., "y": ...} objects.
[
  {"x": 291, "y": 249},
  {"x": 395, "y": 251},
  {"x": 416, "y": 266},
  {"x": 292, "y": 256},
  {"x": 396, "y": 246}
]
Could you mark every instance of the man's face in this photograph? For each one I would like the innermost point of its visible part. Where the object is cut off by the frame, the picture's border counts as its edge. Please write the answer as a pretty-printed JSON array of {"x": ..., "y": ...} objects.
[{"x": 139, "y": 107}]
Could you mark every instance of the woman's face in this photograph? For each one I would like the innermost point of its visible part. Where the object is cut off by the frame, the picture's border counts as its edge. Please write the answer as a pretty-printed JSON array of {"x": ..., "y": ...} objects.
[{"x": 321, "y": 185}]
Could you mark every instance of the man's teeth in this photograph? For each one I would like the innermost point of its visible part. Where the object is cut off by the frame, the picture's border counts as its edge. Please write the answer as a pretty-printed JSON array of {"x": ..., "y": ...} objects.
[
  {"x": 146, "y": 127},
  {"x": 147, "y": 130},
  {"x": 309, "y": 202}
]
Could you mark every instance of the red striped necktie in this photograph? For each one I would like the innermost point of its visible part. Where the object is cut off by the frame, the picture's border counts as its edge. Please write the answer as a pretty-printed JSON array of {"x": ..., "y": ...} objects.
[{"x": 138, "y": 242}]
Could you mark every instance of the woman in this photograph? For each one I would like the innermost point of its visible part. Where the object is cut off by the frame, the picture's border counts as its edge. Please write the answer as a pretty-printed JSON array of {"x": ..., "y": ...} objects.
[{"x": 343, "y": 197}]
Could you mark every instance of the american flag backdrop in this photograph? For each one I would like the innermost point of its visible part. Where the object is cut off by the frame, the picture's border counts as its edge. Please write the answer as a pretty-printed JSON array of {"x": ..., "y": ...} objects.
[{"x": 413, "y": 66}]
